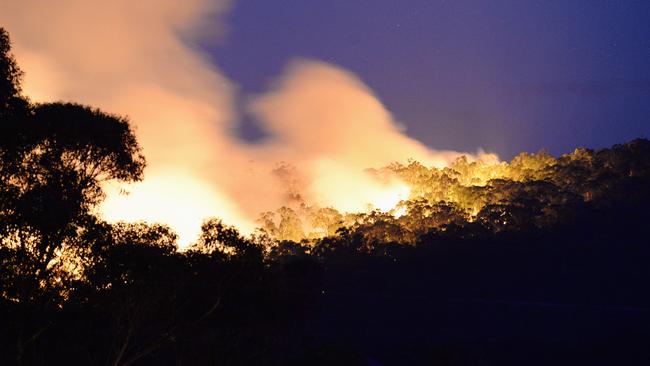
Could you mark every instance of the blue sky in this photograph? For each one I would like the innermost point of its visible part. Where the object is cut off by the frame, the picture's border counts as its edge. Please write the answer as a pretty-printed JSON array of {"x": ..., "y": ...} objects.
[{"x": 504, "y": 75}]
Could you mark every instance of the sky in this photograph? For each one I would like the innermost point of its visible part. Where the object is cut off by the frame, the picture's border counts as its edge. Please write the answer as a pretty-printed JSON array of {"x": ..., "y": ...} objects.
[
  {"x": 504, "y": 75},
  {"x": 243, "y": 106}
]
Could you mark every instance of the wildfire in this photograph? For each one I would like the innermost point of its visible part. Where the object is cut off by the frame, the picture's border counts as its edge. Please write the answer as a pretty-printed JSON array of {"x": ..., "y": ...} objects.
[
  {"x": 174, "y": 199},
  {"x": 387, "y": 199}
]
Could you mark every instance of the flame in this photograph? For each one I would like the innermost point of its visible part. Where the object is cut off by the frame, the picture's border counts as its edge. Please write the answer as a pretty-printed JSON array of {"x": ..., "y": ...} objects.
[
  {"x": 351, "y": 189},
  {"x": 387, "y": 199},
  {"x": 172, "y": 198},
  {"x": 319, "y": 117}
]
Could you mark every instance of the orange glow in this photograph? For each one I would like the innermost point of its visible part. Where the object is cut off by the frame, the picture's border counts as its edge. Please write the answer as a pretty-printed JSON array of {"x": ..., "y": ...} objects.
[
  {"x": 131, "y": 60},
  {"x": 174, "y": 199}
]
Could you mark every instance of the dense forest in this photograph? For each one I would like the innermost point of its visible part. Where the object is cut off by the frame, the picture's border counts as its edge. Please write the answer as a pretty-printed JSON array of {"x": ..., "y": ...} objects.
[{"x": 540, "y": 260}]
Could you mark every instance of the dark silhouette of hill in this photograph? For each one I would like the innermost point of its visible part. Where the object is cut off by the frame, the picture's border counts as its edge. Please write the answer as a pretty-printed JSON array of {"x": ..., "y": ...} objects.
[{"x": 537, "y": 261}]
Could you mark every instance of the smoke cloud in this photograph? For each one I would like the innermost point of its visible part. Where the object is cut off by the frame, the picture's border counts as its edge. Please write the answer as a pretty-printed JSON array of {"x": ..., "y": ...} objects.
[
  {"x": 135, "y": 58},
  {"x": 328, "y": 123}
]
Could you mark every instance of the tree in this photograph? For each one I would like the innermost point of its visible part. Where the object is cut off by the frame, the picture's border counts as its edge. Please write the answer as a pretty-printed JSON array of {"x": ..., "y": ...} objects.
[
  {"x": 219, "y": 238},
  {"x": 54, "y": 158},
  {"x": 51, "y": 186},
  {"x": 325, "y": 221},
  {"x": 136, "y": 282},
  {"x": 12, "y": 102}
]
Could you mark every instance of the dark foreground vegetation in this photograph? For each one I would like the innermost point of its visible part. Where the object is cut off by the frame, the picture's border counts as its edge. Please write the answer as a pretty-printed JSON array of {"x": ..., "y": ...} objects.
[{"x": 542, "y": 261}]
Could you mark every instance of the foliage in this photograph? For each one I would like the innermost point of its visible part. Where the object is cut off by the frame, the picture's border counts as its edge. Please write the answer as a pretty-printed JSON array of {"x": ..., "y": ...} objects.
[
  {"x": 564, "y": 239},
  {"x": 531, "y": 192},
  {"x": 52, "y": 181},
  {"x": 53, "y": 160}
]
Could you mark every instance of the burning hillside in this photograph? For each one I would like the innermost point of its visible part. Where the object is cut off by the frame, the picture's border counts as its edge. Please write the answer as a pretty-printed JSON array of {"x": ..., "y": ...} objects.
[{"x": 532, "y": 191}]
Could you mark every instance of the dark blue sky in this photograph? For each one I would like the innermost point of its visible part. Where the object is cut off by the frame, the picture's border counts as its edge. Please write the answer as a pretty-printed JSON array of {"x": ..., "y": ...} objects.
[{"x": 505, "y": 75}]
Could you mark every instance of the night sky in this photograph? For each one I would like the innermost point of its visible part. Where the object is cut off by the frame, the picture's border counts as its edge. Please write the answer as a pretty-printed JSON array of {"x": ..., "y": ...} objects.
[{"x": 507, "y": 76}]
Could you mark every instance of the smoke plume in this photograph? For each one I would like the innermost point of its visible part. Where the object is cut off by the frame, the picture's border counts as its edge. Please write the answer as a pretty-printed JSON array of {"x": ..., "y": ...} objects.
[{"x": 135, "y": 58}]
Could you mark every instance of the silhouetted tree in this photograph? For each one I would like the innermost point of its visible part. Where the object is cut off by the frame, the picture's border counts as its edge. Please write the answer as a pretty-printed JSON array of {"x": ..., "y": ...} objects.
[
  {"x": 54, "y": 158},
  {"x": 12, "y": 102}
]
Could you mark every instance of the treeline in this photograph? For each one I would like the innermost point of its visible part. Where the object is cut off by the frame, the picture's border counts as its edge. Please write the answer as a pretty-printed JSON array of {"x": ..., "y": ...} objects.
[
  {"x": 427, "y": 285},
  {"x": 531, "y": 192}
]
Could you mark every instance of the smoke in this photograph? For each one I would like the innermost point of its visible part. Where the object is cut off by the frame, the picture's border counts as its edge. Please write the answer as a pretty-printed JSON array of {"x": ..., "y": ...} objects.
[
  {"x": 328, "y": 123},
  {"x": 134, "y": 58},
  {"x": 127, "y": 57}
]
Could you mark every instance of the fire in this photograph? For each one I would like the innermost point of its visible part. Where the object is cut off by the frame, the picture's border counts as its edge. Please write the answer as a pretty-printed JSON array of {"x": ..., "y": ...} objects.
[
  {"x": 387, "y": 199},
  {"x": 319, "y": 117},
  {"x": 352, "y": 189},
  {"x": 174, "y": 199}
]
